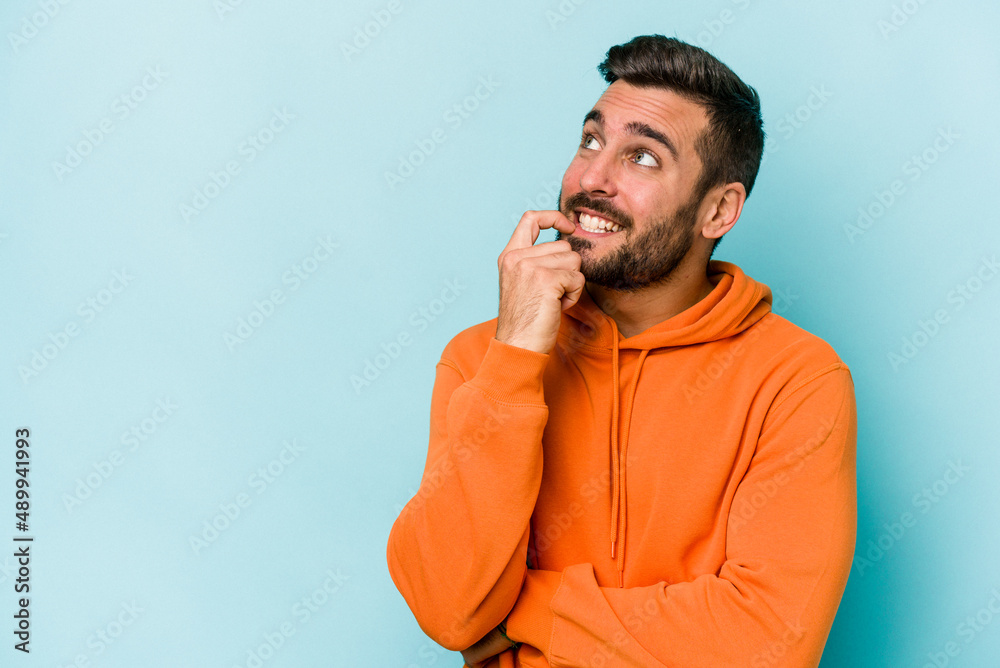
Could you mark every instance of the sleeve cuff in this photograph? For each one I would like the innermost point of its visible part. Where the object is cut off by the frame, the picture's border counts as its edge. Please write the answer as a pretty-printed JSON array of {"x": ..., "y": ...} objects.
[
  {"x": 532, "y": 618},
  {"x": 512, "y": 374}
]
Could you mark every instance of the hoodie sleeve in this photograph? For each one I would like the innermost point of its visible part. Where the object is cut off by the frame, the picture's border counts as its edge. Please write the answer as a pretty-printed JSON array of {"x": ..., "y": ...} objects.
[
  {"x": 790, "y": 542},
  {"x": 458, "y": 550}
]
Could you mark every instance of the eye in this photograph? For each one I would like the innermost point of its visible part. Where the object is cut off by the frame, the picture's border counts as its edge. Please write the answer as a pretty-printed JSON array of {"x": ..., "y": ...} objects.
[
  {"x": 650, "y": 160},
  {"x": 586, "y": 141}
]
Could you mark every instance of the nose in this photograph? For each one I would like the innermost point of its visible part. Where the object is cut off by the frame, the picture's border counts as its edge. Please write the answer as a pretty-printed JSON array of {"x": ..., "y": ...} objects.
[{"x": 599, "y": 176}]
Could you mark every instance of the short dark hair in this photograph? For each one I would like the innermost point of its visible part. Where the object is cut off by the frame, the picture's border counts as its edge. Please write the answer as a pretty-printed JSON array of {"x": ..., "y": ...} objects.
[{"x": 733, "y": 143}]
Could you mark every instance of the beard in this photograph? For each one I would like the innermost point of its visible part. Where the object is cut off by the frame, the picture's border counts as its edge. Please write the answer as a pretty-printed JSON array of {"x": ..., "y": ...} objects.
[{"x": 639, "y": 260}]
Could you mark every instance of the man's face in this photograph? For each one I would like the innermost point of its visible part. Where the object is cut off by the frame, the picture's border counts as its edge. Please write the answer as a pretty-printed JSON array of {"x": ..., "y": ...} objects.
[{"x": 636, "y": 167}]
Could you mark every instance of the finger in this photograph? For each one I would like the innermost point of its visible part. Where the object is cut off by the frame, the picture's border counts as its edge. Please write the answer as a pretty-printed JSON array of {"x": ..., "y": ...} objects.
[
  {"x": 560, "y": 247},
  {"x": 567, "y": 260},
  {"x": 545, "y": 248},
  {"x": 533, "y": 222}
]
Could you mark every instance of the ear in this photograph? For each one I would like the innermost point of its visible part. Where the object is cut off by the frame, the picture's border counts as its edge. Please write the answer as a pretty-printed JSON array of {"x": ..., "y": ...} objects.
[{"x": 726, "y": 207}]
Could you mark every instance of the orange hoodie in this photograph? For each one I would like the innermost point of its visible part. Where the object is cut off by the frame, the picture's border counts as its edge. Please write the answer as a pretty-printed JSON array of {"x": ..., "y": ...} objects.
[{"x": 682, "y": 497}]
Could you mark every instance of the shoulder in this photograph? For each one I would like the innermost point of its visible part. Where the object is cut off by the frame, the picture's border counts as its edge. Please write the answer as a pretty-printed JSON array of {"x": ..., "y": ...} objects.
[{"x": 792, "y": 352}]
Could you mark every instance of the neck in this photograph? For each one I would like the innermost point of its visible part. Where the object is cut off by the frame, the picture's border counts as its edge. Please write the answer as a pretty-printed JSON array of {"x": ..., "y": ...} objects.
[{"x": 635, "y": 312}]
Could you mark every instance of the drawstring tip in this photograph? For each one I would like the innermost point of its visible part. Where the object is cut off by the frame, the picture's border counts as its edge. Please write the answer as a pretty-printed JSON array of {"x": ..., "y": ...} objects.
[
  {"x": 612, "y": 549},
  {"x": 621, "y": 580}
]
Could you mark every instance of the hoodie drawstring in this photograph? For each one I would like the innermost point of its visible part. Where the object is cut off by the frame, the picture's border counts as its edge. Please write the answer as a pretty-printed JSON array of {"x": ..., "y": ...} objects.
[
  {"x": 618, "y": 491},
  {"x": 614, "y": 440}
]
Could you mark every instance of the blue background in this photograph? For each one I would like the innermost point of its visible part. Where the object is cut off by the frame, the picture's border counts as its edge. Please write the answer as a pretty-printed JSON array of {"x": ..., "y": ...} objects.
[{"x": 893, "y": 79}]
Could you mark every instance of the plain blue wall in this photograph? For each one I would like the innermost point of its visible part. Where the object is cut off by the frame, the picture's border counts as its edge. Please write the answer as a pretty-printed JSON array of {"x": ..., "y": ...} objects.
[{"x": 886, "y": 80}]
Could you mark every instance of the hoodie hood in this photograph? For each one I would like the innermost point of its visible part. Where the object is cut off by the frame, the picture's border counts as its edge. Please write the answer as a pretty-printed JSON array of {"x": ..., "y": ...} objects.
[{"x": 735, "y": 304}]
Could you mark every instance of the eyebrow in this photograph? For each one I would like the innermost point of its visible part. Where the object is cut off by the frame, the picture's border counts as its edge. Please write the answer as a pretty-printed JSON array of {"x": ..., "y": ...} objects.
[{"x": 636, "y": 128}]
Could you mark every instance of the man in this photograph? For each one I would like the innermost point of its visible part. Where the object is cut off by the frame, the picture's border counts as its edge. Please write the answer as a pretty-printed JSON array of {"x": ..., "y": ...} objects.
[{"x": 637, "y": 463}]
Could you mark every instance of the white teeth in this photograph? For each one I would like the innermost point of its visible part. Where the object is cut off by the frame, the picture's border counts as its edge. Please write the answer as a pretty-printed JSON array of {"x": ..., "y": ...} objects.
[{"x": 595, "y": 224}]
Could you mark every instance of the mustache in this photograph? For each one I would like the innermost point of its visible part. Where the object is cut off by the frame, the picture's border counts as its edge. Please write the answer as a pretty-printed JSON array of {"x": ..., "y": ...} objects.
[{"x": 602, "y": 207}]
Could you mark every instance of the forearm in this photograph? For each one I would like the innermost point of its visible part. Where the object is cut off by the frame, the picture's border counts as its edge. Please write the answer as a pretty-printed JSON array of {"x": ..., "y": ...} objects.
[
  {"x": 771, "y": 602},
  {"x": 457, "y": 552}
]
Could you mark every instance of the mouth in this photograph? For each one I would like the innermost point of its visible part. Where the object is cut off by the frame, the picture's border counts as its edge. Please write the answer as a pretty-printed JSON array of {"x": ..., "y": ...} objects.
[{"x": 593, "y": 225}]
